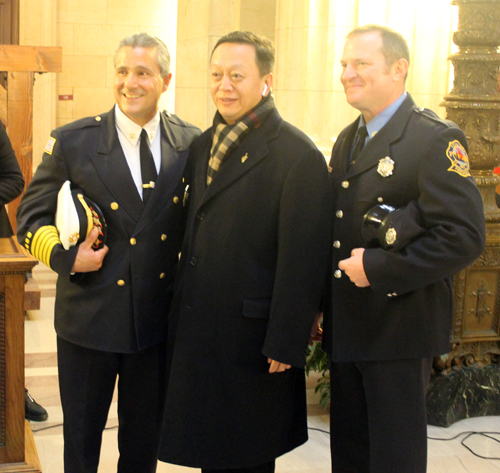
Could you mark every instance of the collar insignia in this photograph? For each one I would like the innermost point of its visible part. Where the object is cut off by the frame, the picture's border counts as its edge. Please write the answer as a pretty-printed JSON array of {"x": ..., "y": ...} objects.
[
  {"x": 385, "y": 167},
  {"x": 244, "y": 158}
]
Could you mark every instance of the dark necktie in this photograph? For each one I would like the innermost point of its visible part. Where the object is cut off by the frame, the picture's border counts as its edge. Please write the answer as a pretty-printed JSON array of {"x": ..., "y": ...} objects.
[
  {"x": 361, "y": 135},
  {"x": 148, "y": 168}
]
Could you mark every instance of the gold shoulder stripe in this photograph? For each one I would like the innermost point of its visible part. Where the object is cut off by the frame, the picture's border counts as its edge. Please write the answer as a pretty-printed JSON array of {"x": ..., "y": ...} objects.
[{"x": 43, "y": 243}]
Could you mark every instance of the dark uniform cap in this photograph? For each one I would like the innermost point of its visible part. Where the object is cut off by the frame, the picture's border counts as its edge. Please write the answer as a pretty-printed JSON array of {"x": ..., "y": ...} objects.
[
  {"x": 76, "y": 216},
  {"x": 392, "y": 228}
]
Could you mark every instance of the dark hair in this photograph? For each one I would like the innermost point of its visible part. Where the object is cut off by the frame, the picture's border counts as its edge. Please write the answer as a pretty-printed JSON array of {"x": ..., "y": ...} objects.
[
  {"x": 264, "y": 48},
  {"x": 145, "y": 40},
  {"x": 394, "y": 45}
]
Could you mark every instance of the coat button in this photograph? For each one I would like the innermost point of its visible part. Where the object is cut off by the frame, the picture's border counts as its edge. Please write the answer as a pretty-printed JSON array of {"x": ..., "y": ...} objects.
[
  {"x": 201, "y": 215},
  {"x": 345, "y": 184},
  {"x": 338, "y": 274},
  {"x": 163, "y": 237},
  {"x": 176, "y": 200},
  {"x": 380, "y": 199},
  {"x": 194, "y": 261},
  {"x": 133, "y": 241},
  {"x": 114, "y": 206},
  {"x": 336, "y": 244},
  {"x": 339, "y": 214},
  {"x": 120, "y": 282},
  {"x": 162, "y": 276}
]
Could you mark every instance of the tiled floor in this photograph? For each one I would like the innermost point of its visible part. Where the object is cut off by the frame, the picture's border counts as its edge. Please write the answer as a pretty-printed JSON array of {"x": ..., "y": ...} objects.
[{"x": 313, "y": 457}]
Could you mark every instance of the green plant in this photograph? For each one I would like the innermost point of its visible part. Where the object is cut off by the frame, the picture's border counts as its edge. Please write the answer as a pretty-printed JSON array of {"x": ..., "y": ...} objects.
[{"x": 317, "y": 360}]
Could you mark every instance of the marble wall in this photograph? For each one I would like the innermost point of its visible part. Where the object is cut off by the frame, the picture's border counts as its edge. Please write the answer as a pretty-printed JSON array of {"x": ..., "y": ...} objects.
[
  {"x": 309, "y": 36},
  {"x": 88, "y": 32}
]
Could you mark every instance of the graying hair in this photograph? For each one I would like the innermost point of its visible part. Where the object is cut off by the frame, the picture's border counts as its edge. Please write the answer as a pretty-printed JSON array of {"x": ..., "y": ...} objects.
[{"x": 145, "y": 40}]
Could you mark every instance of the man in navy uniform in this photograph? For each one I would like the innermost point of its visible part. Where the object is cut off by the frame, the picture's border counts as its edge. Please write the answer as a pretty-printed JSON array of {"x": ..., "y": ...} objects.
[
  {"x": 112, "y": 303},
  {"x": 389, "y": 305}
]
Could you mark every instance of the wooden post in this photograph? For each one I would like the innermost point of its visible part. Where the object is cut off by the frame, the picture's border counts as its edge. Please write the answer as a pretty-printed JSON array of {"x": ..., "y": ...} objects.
[
  {"x": 21, "y": 62},
  {"x": 17, "y": 447},
  {"x": 14, "y": 434}
]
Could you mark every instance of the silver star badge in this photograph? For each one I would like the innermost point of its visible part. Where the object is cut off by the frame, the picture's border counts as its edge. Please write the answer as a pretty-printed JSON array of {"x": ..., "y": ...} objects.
[{"x": 385, "y": 167}]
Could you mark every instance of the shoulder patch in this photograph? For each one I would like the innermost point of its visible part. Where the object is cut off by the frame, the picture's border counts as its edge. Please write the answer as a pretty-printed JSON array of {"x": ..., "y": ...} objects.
[
  {"x": 459, "y": 160},
  {"x": 49, "y": 147}
]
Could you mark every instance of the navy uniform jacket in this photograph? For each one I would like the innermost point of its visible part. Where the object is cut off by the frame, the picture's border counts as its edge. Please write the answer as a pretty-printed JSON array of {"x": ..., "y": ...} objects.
[
  {"x": 122, "y": 307},
  {"x": 252, "y": 270},
  {"x": 407, "y": 310}
]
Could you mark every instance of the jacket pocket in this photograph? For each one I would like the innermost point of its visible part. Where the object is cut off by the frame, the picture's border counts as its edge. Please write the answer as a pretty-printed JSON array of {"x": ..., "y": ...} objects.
[{"x": 256, "y": 308}]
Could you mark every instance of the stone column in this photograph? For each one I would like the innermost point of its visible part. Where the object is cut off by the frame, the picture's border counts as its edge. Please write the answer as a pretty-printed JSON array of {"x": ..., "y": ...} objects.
[{"x": 469, "y": 383}]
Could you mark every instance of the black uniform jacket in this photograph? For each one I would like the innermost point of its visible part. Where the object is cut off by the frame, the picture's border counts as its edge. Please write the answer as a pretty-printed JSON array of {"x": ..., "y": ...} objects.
[
  {"x": 11, "y": 181},
  {"x": 252, "y": 269},
  {"x": 123, "y": 306},
  {"x": 406, "y": 311}
]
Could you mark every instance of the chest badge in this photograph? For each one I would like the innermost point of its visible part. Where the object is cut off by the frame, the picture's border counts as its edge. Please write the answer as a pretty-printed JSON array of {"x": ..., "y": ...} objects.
[
  {"x": 244, "y": 158},
  {"x": 385, "y": 167}
]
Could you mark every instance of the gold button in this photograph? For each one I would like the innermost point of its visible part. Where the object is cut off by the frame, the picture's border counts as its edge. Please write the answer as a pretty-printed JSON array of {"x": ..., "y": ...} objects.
[
  {"x": 121, "y": 282},
  {"x": 133, "y": 241},
  {"x": 176, "y": 200},
  {"x": 338, "y": 274},
  {"x": 114, "y": 206},
  {"x": 336, "y": 244},
  {"x": 98, "y": 119},
  {"x": 162, "y": 276},
  {"x": 163, "y": 237},
  {"x": 380, "y": 199},
  {"x": 345, "y": 184},
  {"x": 339, "y": 214}
]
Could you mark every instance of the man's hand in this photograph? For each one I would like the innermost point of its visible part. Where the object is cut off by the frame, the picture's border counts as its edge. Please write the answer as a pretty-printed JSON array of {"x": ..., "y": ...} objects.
[
  {"x": 87, "y": 259},
  {"x": 354, "y": 268},
  {"x": 276, "y": 366},
  {"x": 316, "y": 330}
]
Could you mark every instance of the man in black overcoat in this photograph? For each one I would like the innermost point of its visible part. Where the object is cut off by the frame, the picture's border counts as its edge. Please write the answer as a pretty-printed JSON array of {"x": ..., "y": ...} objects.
[
  {"x": 252, "y": 269},
  {"x": 389, "y": 299},
  {"x": 112, "y": 303}
]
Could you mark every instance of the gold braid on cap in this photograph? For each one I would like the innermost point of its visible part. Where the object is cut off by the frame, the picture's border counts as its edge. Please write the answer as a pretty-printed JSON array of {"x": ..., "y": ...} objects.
[{"x": 90, "y": 220}]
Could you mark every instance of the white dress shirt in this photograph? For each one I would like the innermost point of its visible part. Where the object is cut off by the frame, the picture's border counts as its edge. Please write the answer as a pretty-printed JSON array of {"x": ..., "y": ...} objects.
[{"x": 129, "y": 134}]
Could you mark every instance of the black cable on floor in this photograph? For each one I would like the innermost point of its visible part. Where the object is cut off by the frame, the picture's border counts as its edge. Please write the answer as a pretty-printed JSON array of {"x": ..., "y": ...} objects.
[
  {"x": 469, "y": 434},
  {"x": 319, "y": 430}
]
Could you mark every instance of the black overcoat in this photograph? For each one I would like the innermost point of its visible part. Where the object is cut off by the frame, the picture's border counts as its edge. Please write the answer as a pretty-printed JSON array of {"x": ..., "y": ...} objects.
[
  {"x": 11, "y": 181},
  {"x": 122, "y": 307},
  {"x": 252, "y": 268},
  {"x": 406, "y": 312}
]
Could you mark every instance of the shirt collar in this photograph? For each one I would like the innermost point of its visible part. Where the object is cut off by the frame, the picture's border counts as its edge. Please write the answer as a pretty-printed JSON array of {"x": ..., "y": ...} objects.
[
  {"x": 378, "y": 122},
  {"x": 132, "y": 131}
]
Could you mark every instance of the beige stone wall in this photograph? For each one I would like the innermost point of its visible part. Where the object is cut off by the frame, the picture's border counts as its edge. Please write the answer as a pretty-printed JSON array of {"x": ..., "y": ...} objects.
[
  {"x": 88, "y": 32},
  {"x": 309, "y": 41},
  {"x": 309, "y": 36},
  {"x": 200, "y": 24}
]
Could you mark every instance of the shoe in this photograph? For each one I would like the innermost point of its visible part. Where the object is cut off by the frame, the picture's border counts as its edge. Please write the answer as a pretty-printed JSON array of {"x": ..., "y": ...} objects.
[{"x": 33, "y": 410}]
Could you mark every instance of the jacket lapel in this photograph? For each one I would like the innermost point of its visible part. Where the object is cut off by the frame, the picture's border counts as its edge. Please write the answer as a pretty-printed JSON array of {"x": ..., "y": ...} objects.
[
  {"x": 379, "y": 146},
  {"x": 113, "y": 169},
  {"x": 251, "y": 151}
]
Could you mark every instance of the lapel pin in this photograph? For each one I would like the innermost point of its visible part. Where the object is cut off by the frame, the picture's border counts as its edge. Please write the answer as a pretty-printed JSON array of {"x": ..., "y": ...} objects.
[
  {"x": 244, "y": 158},
  {"x": 385, "y": 167}
]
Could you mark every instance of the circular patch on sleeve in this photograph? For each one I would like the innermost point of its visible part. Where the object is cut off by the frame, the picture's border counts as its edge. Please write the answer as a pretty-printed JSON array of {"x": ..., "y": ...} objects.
[{"x": 459, "y": 160}]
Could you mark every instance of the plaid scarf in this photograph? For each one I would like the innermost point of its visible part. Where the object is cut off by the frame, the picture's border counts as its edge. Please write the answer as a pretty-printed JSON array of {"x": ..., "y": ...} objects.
[{"x": 226, "y": 138}]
